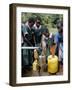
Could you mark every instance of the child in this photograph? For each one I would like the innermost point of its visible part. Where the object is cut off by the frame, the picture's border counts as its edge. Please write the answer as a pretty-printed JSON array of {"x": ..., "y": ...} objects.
[
  {"x": 47, "y": 40},
  {"x": 52, "y": 60}
]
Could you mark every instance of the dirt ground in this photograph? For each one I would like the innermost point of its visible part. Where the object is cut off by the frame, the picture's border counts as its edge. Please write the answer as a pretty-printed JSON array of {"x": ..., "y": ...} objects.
[{"x": 31, "y": 73}]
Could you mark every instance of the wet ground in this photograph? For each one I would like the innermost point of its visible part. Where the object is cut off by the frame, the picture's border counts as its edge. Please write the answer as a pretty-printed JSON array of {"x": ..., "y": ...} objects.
[{"x": 29, "y": 72}]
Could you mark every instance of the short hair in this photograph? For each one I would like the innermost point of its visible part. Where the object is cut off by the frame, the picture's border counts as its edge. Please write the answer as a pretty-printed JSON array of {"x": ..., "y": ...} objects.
[
  {"x": 31, "y": 19},
  {"x": 38, "y": 18},
  {"x": 52, "y": 44},
  {"x": 59, "y": 24}
]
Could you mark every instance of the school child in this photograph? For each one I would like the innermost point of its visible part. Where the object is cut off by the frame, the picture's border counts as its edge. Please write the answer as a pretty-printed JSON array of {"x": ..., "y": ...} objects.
[
  {"x": 58, "y": 39},
  {"x": 39, "y": 30},
  {"x": 52, "y": 60},
  {"x": 27, "y": 38},
  {"x": 47, "y": 40}
]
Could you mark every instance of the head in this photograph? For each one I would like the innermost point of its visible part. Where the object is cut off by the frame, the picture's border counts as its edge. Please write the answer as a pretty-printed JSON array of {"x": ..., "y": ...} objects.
[
  {"x": 52, "y": 49},
  {"x": 31, "y": 22},
  {"x": 38, "y": 21},
  {"x": 60, "y": 26},
  {"x": 46, "y": 33}
]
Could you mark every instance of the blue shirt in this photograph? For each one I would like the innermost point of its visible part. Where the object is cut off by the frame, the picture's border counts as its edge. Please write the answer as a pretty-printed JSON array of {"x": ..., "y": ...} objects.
[{"x": 58, "y": 38}]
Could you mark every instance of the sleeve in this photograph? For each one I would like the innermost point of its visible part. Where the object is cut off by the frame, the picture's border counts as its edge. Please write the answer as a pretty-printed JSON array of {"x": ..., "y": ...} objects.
[{"x": 24, "y": 30}]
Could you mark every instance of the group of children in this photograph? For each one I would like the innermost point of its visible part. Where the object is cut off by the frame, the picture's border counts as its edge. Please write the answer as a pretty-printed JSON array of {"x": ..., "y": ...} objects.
[{"x": 50, "y": 50}]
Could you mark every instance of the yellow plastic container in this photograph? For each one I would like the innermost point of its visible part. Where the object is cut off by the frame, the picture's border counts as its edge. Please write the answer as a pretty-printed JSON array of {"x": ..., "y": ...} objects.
[
  {"x": 35, "y": 65},
  {"x": 52, "y": 64}
]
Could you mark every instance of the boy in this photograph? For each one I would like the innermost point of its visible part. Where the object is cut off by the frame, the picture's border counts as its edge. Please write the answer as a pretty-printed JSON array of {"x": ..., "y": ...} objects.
[
  {"x": 27, "y": 41},
  {"x": 52, "y": 60},
  {"x": 58, "y": 39}
]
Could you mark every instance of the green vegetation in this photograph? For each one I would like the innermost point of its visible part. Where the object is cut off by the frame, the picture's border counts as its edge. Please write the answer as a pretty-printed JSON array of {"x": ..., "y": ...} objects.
[{"x": 48, "y": 20}]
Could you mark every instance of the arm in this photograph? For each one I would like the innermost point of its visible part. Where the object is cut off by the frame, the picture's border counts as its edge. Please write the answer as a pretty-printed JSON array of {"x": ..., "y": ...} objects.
[
  {"x": 25, "y": 35},
  {"x": 27, "y": 41}
]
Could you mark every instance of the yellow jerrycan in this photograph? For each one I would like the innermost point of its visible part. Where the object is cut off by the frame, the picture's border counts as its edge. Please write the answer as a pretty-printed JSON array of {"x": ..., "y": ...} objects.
[
  {"x": 35, "y": 63},
  {"x": 52, "y": 64}
]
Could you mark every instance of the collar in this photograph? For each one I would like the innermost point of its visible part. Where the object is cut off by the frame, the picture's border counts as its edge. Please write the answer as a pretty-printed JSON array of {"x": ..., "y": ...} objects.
[{"x": 37, "y": 27}]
